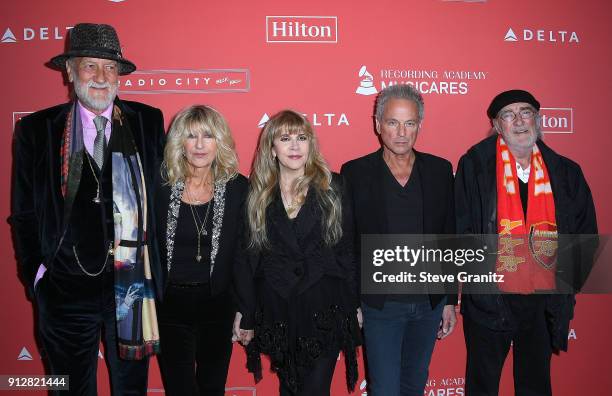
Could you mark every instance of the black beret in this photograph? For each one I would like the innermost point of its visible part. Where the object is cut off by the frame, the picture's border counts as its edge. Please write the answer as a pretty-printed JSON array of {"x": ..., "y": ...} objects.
[{"x": 508, "y": 97}]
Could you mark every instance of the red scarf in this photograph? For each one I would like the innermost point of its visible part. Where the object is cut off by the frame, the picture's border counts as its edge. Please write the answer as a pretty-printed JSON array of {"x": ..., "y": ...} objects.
[{"x": 527, "y": 247}]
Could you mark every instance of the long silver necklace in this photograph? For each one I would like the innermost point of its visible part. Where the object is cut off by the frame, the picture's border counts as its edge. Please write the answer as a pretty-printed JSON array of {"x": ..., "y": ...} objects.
[
  {"x": 95, "y": 199},
  {"x": 110, "y": 250},
  {"x": 200, "y": 229}
]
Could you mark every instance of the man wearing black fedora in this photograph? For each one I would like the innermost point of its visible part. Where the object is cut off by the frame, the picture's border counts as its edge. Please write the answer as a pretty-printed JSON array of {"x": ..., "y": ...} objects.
[
  {"x": 84, "y": 174},
  {"x": 535, "y": 201}
]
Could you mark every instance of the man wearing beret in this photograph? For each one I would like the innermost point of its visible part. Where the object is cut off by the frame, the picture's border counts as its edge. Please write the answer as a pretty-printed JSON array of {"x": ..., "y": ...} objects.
[
  {"x": 84, "y": 175},
  {"x": 513, "y": 185}
]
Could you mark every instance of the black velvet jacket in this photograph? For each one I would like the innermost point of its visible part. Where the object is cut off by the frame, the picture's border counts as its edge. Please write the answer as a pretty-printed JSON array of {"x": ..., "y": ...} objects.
[
  {"x": 37, "y": 205},
  {"x": 290, "y": 267},
  {"x": 364, "y": 176}
]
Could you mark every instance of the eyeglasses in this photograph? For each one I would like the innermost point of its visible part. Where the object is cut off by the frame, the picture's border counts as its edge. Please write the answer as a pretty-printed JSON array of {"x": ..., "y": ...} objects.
[{"x": 510, "y": 116}]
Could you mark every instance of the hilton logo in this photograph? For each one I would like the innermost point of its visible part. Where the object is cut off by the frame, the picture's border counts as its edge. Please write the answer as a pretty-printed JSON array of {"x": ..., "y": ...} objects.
[
  {"x": 301, "y": 29},
  {"x": 557, "y": 119}
]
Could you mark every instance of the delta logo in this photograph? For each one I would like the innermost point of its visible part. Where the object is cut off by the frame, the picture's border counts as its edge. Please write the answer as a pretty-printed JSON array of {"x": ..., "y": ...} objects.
[
  {"x": 29, "y": 34},
  {"x": 301, "y": 29},
  {"x": 24, "y": 354},
  {"x": 317, "y": 119},
  {"x": 542, "y": 35}
]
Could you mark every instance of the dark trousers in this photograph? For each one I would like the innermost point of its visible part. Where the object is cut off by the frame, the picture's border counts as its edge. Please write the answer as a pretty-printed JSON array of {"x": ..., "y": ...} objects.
[
  {"x": 73, "y": 314},
  {"x": 399, "y": 342},
  {"x": 531, "y": 348},
  {"x": 196, "y": 340},
  {"x": 317, "y": 379}
]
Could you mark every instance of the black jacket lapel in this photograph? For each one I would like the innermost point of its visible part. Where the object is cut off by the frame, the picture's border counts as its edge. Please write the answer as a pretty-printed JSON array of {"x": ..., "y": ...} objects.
[
  {"x": 75, "y": 166},
  {"x": 379, "y": 209}
]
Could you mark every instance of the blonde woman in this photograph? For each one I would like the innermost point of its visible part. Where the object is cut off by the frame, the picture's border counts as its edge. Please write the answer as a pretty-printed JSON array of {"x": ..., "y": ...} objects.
[
  {"x": 198, "y": 210},
  {"x": 296, "y": 280}
]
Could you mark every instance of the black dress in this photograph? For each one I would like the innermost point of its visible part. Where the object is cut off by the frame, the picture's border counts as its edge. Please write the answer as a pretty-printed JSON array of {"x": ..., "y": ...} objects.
[{"x": 299, "y": 294}]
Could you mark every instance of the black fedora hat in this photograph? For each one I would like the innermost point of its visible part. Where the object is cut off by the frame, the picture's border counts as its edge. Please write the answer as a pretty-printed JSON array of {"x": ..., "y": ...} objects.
[{"x": 94, "y": 41}]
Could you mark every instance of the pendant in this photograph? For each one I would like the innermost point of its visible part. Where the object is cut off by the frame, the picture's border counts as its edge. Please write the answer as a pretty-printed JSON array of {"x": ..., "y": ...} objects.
[
  {"x": 198, "y": 258},
  {"x": 204, "y": 232},
  {"x": 96, "y": 199}
]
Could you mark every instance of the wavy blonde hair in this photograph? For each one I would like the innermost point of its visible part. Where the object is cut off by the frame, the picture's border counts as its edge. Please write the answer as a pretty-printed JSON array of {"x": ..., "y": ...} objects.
[
  {"x": 199, "y": 119},
  {"x": 264, "y": 180}
]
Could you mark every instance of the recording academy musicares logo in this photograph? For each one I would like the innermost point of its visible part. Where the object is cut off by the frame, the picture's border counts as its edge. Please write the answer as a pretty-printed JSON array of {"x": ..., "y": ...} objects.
[
  {"x": 186, "y": 81},
  {"x": 542, "y": 35},
  {"x": 326, "y": 119},
  {"x": 30, "y": 34},
  {"x": 445, "y": 81},
  {"x": 301, "y": 29}
]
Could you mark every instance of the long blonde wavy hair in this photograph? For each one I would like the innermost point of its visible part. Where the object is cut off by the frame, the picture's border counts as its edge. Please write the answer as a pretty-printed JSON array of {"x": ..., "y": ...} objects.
[
  {"x": 264, "y": 180},
  {"x": 199, "y": 119}
]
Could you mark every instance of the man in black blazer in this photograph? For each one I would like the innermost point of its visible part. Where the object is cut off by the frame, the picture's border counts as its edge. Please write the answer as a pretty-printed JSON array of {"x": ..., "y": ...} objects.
[
  {"x": 398, "y": 190},
  {"x": 81, "y": 215}
]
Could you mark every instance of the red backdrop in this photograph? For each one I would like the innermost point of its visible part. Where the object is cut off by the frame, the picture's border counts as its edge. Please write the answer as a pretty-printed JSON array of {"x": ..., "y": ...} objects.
[{"x": 251, "y": 59}]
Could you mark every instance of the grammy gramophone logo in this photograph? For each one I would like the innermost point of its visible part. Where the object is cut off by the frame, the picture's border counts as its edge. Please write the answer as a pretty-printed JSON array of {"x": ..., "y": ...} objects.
[{"x": 366, "y": 84}]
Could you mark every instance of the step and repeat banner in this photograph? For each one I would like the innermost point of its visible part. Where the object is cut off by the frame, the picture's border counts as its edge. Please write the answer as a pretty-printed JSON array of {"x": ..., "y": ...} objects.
[{"x": 328, "y": 60}]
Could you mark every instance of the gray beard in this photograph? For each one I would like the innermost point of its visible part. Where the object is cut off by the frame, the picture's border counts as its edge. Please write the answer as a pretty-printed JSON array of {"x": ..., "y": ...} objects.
[{"x": 82, "y": 92}]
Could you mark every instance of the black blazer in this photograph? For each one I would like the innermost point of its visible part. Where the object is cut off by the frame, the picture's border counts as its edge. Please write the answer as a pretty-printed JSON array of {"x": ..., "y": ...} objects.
[
  {"x": 364, "y": 176},
  {"x": 289, "y": 265},
  {"x": 37, "y": 204},
  {"x": 235, "y": 195}
]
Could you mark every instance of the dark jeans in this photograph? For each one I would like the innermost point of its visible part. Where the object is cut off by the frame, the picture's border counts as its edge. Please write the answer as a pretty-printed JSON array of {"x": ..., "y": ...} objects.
[
  {"x": 531, "y": 348},
  {"x": 399, "y": 341},
  {"x": 72, "y": 315},
  {"x": 196, "y": 340},
  {"x": 317, "y": 379}
]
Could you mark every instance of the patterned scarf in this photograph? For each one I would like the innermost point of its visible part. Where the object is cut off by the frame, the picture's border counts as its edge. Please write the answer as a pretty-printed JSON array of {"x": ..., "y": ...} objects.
[
  {"x": 137, "y": 331},
  {"x": 527, "y": 247}
]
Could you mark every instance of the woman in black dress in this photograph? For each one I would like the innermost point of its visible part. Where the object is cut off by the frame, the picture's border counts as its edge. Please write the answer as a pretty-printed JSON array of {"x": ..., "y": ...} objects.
[
  {"x": 296, "y": 277},
  {"x": 198, "y": 211}
]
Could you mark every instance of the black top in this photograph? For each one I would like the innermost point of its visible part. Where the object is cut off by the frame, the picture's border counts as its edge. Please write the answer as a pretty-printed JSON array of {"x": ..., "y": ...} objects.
[
  {"x": 404, "y": 214},
  {"x": 235, "y": 194},
  {"x": 524, "y": 191},
  {"x": 186, "y": 269},
  {"x": 404, "y": 203}
]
